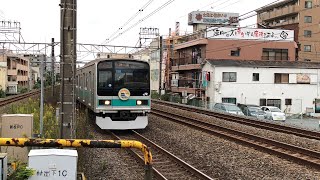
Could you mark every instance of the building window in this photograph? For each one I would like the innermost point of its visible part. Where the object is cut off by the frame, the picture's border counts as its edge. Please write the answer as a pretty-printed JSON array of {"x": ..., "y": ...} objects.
[
  {"x": 255, "y": 77},
  {"x": 274, "y": 102},
  {"x": 280, "y": 78},
  {"x": 307, "y": 48},
  {"x": 263, "y": 102},
  {"x": 308, "y": 4},
  {"x": 275, "y": 54},
  {"x": 229, "y": 76},
  {"x": 288, "y": 101},
  {"x": 229, "y": 100},
  {"x": 308, "y": 19},
  {"x": 235, "y": 53},
  {"x": 307, "y": 33}
]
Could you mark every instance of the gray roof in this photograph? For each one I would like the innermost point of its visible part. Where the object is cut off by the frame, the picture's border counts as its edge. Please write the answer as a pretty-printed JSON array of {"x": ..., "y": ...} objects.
[{"x": 264, "y": 63}]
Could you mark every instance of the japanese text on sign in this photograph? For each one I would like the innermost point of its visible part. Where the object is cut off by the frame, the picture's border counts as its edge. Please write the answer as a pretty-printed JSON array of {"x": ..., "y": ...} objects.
[
  {"x": 250, "y": 34},
  {"x": 52, "y": 173}
]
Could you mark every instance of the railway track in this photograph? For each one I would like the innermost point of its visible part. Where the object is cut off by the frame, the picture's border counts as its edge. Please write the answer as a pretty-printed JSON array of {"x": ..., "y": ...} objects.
[
  {"x": 165, "y": 165},
  {"x": 11, "y": 99},
  {"x": 246, "y": 121},
  {"x": 291, "y": 152}
]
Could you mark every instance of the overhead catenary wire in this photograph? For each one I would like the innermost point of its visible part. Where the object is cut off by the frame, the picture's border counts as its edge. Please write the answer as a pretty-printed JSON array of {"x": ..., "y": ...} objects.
[
  {"x": 141, "y": 20},
  {"x": 129, "y": 20}
]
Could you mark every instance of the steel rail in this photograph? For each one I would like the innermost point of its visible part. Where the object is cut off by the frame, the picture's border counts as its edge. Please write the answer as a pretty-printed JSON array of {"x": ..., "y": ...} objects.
[
  {"x": 11, "y": 99},
  {"x": 165, "y": 164},
  {"x": 247, "y": 121},
  {"x": 295, "y": 153}
]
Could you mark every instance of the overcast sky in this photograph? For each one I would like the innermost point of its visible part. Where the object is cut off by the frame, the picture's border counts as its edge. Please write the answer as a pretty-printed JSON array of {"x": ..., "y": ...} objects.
[{"x": 98, "y": 19}]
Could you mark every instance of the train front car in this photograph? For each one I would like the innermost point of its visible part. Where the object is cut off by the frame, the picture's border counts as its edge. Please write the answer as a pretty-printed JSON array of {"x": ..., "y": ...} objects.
[{"x": 123, "y": 94}]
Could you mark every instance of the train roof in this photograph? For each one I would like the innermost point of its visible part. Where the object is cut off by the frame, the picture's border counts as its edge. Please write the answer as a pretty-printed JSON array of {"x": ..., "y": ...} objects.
[{"x": 109, "y": 59}]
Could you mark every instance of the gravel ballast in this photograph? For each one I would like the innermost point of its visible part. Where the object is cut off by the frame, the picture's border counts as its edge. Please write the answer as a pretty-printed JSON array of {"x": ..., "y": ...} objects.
[
  {"x": 220, "y": 158},
  {"x": 282, "y": 137},
  {"x": 101, "y": 164}
]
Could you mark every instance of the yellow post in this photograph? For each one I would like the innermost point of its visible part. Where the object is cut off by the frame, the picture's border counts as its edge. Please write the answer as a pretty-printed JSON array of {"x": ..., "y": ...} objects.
[{"x": 86, "y": 143}]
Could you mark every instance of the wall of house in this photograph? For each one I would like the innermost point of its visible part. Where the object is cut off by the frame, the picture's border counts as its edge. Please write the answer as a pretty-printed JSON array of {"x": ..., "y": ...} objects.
[
  {"x": 249, "y": 50},
  {"x": 3, "y": 76},
  {"x": 247, "y": 91}
]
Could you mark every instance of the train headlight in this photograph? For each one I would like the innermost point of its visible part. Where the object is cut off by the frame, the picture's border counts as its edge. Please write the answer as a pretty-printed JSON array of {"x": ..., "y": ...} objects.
[
  {"x": 107, "y": 102},
  {"x": 139, "y": 102}
]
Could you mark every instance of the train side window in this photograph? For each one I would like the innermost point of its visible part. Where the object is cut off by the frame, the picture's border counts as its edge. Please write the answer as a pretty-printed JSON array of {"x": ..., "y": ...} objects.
[
  {"x": 89, "y": 81},
  {"x": 84, "y": 80}
]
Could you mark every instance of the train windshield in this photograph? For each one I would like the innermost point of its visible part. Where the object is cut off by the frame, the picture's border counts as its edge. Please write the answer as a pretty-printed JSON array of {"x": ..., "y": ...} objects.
[{"x": 125, "y": 74}]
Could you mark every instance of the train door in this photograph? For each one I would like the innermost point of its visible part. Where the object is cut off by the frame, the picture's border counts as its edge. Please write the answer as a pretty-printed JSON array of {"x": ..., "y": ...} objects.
[
  {"x": 84, "y": 87},
  {"x": 89, "y": 82},
  {"x": 87, "y": 88}
]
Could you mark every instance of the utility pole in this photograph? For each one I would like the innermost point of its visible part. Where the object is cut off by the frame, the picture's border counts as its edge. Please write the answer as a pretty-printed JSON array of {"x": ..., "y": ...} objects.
[
  {"x": 52, "y": 66},
  {"x": 160, "y": 68},
  {"x": 42, "y": 58},
  {"x": 68, "y": 41}
]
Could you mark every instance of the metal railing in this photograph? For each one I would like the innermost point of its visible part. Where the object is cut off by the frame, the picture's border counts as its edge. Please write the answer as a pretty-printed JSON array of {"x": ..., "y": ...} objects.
[{"x": 86, "y": 143}]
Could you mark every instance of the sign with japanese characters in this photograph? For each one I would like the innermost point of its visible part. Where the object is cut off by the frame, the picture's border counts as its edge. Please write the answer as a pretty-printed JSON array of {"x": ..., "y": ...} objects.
[
  {"x": 250, "y": 34},
  {"x": 16, "y": 126},
  {"x": 213, "y": 18}
]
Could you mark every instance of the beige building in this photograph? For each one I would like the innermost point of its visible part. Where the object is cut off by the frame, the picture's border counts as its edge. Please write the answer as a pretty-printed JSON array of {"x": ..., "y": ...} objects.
[
  {"x": 17, "y": 75},
  {"x": 302, "y": 16}
]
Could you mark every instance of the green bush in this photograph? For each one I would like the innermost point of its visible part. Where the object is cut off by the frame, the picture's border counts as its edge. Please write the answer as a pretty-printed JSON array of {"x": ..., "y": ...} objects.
[
  {"x": 50, "y": 125},
  {"x": 22, "y": 89},
  {"x": 176, "y": 99},
  {"x": 21, "y": 173},
  {"x": 165, "y": 97},
  {"x": 155, "y": 95},
  {"x": 2, "y": 94}
]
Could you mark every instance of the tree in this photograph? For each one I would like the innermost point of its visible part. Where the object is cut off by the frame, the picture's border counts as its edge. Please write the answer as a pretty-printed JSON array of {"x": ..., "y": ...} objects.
[{"x": 2, "y": 94}]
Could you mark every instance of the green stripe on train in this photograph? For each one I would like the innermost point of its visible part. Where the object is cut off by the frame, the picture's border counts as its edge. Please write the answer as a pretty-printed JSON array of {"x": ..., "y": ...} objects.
[{"x": 129, "y": 102}]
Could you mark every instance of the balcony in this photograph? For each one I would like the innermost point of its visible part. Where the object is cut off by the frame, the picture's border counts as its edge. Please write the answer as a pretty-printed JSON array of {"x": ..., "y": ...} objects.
[
  {"x": 190, "y": 43},
  {"x": 22, "y": 78},
  {"x": 186, "y": 67},
  {"x": 12, "y": 72},
  {"x": 186, "y": 63},
  {"x": 22, "y": 67},
  {"x": 276, "y": 13},
  {"x": 190, "y": 86}
]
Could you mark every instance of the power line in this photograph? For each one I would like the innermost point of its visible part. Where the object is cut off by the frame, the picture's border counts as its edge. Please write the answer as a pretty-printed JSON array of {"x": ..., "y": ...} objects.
[
  {"x": 229, "y": 5},
  {"x": 144, "y": 18},
  {"x": 129, "y": 20}
]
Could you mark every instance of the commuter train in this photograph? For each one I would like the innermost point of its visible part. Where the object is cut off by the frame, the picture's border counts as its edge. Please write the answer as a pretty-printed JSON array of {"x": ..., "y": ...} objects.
[{"x": 117, "y": 92}]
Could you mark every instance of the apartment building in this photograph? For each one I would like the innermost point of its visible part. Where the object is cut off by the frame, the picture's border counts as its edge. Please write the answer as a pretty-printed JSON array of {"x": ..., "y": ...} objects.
[
  {"x": 302, "y": 16},
  {"x": 17, "y": 75},
  {"x": 227, "y": 43}
]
